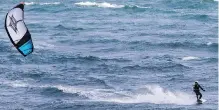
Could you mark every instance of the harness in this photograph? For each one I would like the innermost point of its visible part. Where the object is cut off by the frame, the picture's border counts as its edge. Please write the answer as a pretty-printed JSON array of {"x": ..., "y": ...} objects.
[{"x": 196, "y": 87}]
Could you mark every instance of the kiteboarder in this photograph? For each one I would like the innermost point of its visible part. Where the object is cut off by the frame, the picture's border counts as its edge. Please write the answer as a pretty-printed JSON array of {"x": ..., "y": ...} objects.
[{"x": 196, "y": 87}]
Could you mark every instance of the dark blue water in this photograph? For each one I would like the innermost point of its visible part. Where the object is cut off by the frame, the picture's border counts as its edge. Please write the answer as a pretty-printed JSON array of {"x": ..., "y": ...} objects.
[{"x": 112, "y": 55}]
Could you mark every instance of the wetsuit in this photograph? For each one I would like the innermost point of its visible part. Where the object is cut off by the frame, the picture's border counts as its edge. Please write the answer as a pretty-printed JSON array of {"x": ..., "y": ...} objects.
[{"x": 197, "y": 91}]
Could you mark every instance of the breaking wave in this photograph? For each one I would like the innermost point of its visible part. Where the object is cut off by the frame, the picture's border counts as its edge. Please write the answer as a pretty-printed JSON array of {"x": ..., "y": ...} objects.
[
  {"x": 45, "y": 3},
  {"x": 145, "y": 94},
  {"x": 103, "y": 4},
  {"x": 166, "y": 67},
  {"x": 107, "y": 5},
  {"x": 155, "y": 94},
  {"x": 190, "y": 58}
]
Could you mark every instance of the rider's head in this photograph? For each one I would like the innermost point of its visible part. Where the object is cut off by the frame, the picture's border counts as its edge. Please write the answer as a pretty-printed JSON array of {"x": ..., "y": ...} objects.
[{"x": 196, "y": 82}]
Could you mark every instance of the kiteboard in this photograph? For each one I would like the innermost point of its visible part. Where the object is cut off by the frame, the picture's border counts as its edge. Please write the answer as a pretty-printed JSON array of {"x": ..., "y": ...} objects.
[{"x": 201, "y": 101}]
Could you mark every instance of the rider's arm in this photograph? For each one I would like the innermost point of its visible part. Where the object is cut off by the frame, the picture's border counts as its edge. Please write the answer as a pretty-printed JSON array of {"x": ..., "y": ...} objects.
[{"x": 201, "y": 88}]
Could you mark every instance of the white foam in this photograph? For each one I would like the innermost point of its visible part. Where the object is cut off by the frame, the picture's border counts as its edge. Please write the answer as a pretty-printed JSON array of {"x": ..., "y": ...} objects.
[
  {"x": 16, "y": 83},
  {"x": 103, "y": 4},
  {"x": 209, "y": 43},
  {"x": 54, "y": 3},
  {"x": 68, "y": 89},
  {"x": 83, "y": 91},
  {"x": 157, "y": 95},
  {"x": 203, "y": 100},
  {"x": 190, "y": 58},
  {"x": 148, "y": 94},
  {"x": 44, "y": 45},
  {"x": 141, "y": 6},
  {"x": 29, "y": 3},
  {"x": 46, "y": 3},
  {"x": 152, "y": 94}
]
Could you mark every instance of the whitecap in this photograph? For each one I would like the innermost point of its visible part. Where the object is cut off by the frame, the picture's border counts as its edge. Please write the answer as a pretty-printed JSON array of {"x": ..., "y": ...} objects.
[
  {"x": 190, "y": 58},
  {"x": 150, "y": 94},
  {"x": 102, "y": 5},
  {"x": 29, "y": 3},
  {"x": 44, "y": 45},
  {"x": 147, "y": 94},
  {"x": 54, "y": 3},
  {"x": 46, "y": 3},
  {"x": 209, "y": 43}
]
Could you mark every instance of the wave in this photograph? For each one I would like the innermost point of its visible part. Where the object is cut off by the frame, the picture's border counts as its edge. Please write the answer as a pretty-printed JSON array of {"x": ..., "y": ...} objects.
[
  {"x": 155, "y": 94},
  {"x": 61, "y": 27},
  {"x": 44, "y": 45},
  {"x": 57, "y": 90},
  {"x": 117, "y": 60},
  {"x": 93, "y": 58},
  {"x": 148, "y": 94},
  {"x": 51, "y": 90},
  {"x": 108, "y": 5},
  {"x": 5, "y": 46},
  {"x": 79, "y": 91},
  {"x": 93, "y": 41},
  {"x": 160, "y": 67},
  {"x": 206, "y": 60},
  {"x": 143, "y": 44},
  {"x": 199, "y": 17},
  {"x": 60, "y": 91},
  {"x": 189, "y": 4},
  {"x": 84, "y": 59},
  {"x": 210, "y": 44},
  {"x": 96, "y": 82},
  {"x": 135, "y": 7},
  {"x": 57, "y": 58},
  {"x": 54, "y": 3},
  {"x": 16, "y": 83},
  {"x": 186, "y": 45},
  {"x": 211, "y": 60},
  {"x": 190, "y": 58},
  {"x": 34, "y": 74},
  {"x": 210, "y": 0},
  {"x": 58, "y": 35},
  {"x": 144, "y": 94},
  {"x": 88, "y": 58},
  {"x": 29, "y": 3},
  {"x": 37, "y": 26},
  {"x": 45, "y": 3},
  {"x": 38, "y": 9},
  {"x": 102, "y": 5}
]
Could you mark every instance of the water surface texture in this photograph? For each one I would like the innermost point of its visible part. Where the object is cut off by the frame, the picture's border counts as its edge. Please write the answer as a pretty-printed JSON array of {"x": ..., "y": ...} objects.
[{"x": 112, "y": 55}]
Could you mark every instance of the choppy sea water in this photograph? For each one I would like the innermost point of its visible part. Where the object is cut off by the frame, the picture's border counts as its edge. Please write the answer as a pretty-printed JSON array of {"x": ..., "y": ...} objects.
[{"x": 112, "y": 55}]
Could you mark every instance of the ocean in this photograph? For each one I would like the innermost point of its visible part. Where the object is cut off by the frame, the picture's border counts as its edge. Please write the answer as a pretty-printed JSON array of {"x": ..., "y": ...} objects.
[{"x": 112, "y": 55}]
